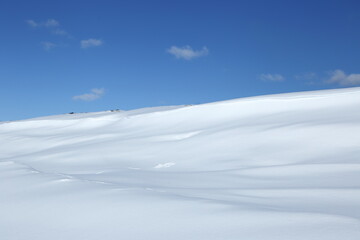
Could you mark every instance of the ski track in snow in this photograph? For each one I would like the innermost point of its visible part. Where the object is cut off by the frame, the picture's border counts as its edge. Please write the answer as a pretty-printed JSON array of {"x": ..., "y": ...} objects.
[{"x": 282, "y": 166}]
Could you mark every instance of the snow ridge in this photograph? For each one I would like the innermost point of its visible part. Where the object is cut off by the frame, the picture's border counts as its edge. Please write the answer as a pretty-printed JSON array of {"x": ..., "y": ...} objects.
[{"x": 283, "y": 166}]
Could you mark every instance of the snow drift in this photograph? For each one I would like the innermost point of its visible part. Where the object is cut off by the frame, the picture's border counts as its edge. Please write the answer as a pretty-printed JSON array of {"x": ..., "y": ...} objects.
[{"x": 271, "y": 167}]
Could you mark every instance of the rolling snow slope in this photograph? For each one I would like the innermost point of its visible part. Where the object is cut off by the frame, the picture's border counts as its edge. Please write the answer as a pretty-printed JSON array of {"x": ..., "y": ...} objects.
[{"x": 271, "y": 167}]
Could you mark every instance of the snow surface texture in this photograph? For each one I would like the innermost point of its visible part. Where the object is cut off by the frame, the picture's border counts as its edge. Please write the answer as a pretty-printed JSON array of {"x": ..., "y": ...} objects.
[{"x": 271, "y": 167}]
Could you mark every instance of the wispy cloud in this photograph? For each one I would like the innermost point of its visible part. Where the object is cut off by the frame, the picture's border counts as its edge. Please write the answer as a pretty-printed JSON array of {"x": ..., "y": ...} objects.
[
  {"x": 92, "y": 42},
  {"x": 187, "y": 52},
  {"x": 51, "y": 23},
  {"x": 95, "y": 93},
  {"x": 53, "y": 26},
  {"x": 32, "y": 23},
  {"x": 272, "y": 77},
  {"x": 48, "y": 45},
  {"x": 339, "y": 77},
  {"x": 47, "y": 23},
  {"x": 59, "y": 32}
]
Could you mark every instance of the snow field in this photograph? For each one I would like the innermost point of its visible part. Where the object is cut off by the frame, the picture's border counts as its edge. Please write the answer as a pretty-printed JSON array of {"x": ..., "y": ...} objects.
[{"x": 271, "y": 167}]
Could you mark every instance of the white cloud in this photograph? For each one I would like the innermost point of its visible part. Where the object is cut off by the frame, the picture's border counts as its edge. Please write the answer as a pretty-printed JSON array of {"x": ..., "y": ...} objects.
[
  {"x": 51, "y": 26},
  {"x": 93, "y": 95},
  {"x": 187, "y": 52},
  {"x": 47, "y": 23},
  {"x": 91, "y": 43},
  {"x": 272, "y": 77},
  {"x": 48, "y": 45},
  {"x": 339, "y": 77}
]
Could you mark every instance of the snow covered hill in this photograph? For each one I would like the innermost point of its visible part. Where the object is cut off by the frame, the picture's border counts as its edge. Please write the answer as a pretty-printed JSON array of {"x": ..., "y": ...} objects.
[{"x": 271, "y": 167}]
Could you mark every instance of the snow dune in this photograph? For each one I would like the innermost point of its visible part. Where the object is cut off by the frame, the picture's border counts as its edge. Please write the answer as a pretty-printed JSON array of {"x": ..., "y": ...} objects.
[{"x": 281, "y": 166}]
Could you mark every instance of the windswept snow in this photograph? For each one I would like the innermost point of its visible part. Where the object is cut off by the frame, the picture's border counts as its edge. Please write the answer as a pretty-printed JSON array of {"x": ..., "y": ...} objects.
[{"x": 281, "y": 166}]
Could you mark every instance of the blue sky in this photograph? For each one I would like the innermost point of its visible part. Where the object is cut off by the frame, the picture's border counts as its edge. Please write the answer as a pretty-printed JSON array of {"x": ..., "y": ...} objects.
[{"x": 78, "y": 56}]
